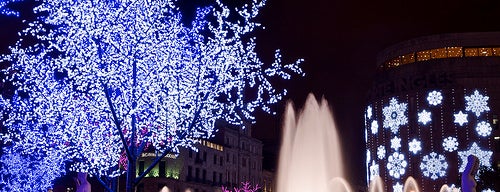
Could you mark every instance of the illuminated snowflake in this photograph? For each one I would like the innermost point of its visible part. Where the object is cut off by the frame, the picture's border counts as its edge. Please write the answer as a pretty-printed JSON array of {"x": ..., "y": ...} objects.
[
  {"x": 374, "y": 127},
  {"x": 483, "y": 128},
  {"x": 477, "y": 103},
  {"x": 395, "y": 115},
  {"x": 434, "y": 166},
  {"x": 396, "y": 165},
  {"x": 381, "y": 152},
  {"x": 488, "y": 190},
  {"x": 397, "y": 187},
  {"x": 450, "y": 144},
  {"x": 374, "y": 170},
  {"x": 434, "y": 98},
  {"x": 484, "y": 156},
  {"x": 424, "y": 117},
  {"x": 395, "y": 143},
  {"x": 460, "y": 118},
  {"x": 414, "y": 146},
  {"x": 369, "y": 112}
]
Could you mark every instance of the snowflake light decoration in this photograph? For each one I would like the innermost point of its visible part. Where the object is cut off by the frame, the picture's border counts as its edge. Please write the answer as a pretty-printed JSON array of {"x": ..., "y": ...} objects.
[
  {"x": 460, "y": 118},
  {"x": 396, "y": 143},
  {"x": 369, "y": 112},
  {"x": 396, "y": 165},
  {"x": 488, "y": 190},
  {"x": 398, "y": 187},
  {"x": 374, "y": 170},
  {"x": 477, "y": 103},
  {"x": 414, "y": 146},
  {"x": 450, "y": 144},
  {"x": 424, "y": 117},
  {"x": 374, "y": 127},
  {"x": 434, "y": 166},
  {"x": 381, "y": 152},
  {"x": 483, "y": 128},
  {"x": 434, "y": 98},
  {"x": 395, "y": 115},
  {"x": 484, "y": 156}
]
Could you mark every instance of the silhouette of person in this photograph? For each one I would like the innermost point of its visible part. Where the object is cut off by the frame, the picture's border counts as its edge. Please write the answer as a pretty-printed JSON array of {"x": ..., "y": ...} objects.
[
  {"x": 82, "y": 185},
  {"x": 468, "y": 182}
]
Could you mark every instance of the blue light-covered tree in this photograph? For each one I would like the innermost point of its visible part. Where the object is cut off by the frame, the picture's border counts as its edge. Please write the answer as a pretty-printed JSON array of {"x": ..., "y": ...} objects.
[
  {"x": 112, "y": 77},
  {"x": 5, "y": 8},
  {"x": 30, "y": 171}
]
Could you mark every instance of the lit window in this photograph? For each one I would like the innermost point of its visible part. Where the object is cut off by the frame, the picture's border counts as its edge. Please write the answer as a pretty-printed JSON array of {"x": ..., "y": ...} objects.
[
  {"x": 445, "y": 52},
  {"x": 408, "y": 58},
  {"x": 394, "y": 62},
  {"x": 454, "y": 51},
  {"x": 423, "y": 55},
  {"x": 496, "y": 51},
  {"x": 485, "y": 52},
  {"x": 438, "y": 53},
  {"x": 471, "y": 52}
]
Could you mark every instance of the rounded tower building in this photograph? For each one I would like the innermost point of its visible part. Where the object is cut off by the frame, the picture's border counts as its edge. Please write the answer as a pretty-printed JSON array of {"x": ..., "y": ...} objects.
[{"x": 434, "y": 101}]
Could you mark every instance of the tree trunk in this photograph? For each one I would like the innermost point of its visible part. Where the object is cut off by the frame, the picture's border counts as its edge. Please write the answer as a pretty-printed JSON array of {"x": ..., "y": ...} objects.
[
  {"x": 132, "y": 161},
  {"x": 130, "y": 185}
]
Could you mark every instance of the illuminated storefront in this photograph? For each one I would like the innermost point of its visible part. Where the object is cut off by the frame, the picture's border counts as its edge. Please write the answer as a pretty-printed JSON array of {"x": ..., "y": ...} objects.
[{"x": 434, "y": 101}]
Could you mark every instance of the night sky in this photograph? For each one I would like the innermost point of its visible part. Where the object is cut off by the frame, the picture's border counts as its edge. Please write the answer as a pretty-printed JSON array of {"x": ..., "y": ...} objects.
[{"x": 339, "y": 40}]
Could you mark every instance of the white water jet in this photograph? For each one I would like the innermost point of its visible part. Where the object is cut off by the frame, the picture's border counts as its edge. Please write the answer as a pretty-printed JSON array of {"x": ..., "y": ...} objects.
[
  {"x": 310, "y": 155},
  {"x": 165, "y": 189},
  {"x": 411, "y": 185},
  {"x": 446, "y": 188},
  {"x": 376, "y": 185}
]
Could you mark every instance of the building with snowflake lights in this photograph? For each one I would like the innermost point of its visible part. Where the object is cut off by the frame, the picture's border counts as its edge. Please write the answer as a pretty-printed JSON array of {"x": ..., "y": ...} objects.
[{"x": 434, "y": 101}]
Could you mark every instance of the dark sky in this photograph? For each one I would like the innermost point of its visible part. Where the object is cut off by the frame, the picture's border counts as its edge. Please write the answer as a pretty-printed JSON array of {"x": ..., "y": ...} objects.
[{"x": 339, "y": 39}]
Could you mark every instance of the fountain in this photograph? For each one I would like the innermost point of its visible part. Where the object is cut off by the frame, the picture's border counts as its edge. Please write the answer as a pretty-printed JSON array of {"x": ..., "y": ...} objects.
[
  {"x": 411, "y": 185},
  {"x": 377, "y": 185},
  {"x": 310, "y": 156},
  {"x": 446, "y": 188},
  {"x": 165, "y": 189}
]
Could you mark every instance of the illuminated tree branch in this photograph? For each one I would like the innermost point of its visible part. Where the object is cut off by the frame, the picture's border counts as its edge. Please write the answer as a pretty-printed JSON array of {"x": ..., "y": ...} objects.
[{"x": 106, "y": 78}]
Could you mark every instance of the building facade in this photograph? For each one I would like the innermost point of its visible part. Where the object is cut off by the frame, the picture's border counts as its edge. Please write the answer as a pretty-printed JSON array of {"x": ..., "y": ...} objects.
[
  {"x": 435, "y": 100},
  {"x": 268, "y": 181},
  {"x": 229, "y": 159}
]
